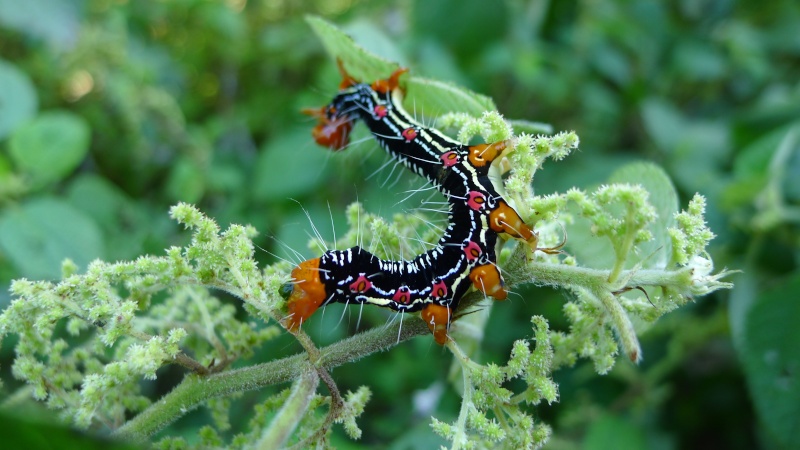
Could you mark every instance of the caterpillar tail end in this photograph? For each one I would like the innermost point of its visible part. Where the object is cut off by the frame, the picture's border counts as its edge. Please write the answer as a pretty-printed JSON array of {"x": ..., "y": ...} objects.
[
  {"x": 438, "y": 319},
  {"x": 306, "y": 296}
]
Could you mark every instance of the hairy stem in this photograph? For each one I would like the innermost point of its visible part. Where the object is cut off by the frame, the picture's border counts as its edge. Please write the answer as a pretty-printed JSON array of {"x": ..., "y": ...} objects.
[
  {"x": 292, "y": 411},
  {"x": 195, "y": 390},
  {"x": 625, "y": 331},
  {"x": 466, "y": 400}
]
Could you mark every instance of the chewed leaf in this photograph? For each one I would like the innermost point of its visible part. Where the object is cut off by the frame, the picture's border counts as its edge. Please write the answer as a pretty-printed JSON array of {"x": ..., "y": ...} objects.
[{"x": 428, "y": 97}]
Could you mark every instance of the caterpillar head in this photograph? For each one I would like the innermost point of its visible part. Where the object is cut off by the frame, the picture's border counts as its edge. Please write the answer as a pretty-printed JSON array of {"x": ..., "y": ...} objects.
[{"x": 332, "y": 130}]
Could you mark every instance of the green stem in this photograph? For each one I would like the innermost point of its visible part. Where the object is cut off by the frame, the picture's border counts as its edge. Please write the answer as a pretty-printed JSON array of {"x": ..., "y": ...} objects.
[
  {"x": 542, "y": 273},
  {"x": 466, "y": 401},
  {"x": 625, "y": 331},
  {"x": 291, "y": 413},
  {"x": 194, "y": 390}
]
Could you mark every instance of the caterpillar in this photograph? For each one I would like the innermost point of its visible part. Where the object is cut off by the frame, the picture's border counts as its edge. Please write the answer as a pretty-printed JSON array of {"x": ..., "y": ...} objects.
[{"x": 465, "y": 256}]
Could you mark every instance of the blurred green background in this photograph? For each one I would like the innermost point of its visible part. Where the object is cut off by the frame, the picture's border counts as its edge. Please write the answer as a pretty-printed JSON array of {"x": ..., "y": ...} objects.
[{"x": 113, "y": 110}]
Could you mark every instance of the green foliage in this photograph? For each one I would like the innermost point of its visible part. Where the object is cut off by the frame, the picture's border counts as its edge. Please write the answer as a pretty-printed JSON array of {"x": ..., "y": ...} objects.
[{"x": 111, "y": 112}]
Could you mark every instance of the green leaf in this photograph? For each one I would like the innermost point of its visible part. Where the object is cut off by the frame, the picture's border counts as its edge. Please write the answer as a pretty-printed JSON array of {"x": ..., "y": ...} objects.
[
  {"x": 771, "y": 357},
  {"x": 288, "y": 166},
  {"x": 424, "y": 96},
  {"x": 613, "y": 432},
  {"x": 37, "y": 236},
  {"x": 18, "y": 101},
  {"x": 51, "y": 146},
  {"x": 664, "y": 198},
  {"x": 434, "y": 98},
  {"x": 360, "y": 63},
  {"x": 527, "y": 126}
]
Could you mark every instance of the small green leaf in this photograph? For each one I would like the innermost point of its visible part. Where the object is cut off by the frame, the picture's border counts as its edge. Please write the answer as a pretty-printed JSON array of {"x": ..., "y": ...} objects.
[
  {"x": 51, "y": 146},
  {"x": 664, "y": 198},
  {"x": 37, "y": 236},
  {"x": 18, "y": 101}
]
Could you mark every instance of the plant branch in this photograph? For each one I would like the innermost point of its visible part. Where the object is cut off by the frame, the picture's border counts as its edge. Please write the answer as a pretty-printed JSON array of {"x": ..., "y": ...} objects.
[
  {"x": 292, "y": 411},
  {"x": 194, "y": 390}
]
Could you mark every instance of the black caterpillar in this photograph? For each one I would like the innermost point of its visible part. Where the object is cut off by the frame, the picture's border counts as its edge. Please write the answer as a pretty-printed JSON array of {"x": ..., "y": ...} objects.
[{"x": 464, "y": 257}]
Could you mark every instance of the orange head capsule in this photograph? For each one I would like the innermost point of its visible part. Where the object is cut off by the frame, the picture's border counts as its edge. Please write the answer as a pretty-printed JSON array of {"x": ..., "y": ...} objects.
[
  {"x": 306, "y": 296},
  {"x": 331, "y": 131}
]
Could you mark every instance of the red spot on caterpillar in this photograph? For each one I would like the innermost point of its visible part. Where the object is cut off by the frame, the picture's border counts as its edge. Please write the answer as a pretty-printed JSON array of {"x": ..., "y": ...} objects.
[
  {"x": 307, "y": 295},
  {"x": 439, "y": 289},
  {"x": 362, "y": 284},
  {"x": 505, "y": 219},
  {"x": 380, "y": 111},
  {"x": 476, "y": 200},
  {"x": 486, "y": 278},
  {"x": 472, "y": 250},
  {"x": 409, "y": 134},
  {"x": 449, "y": 159},
  {"x": 438, "y": 319},
  {"x": 402, "y": 295},
  {"x": 481, "y": 154}
]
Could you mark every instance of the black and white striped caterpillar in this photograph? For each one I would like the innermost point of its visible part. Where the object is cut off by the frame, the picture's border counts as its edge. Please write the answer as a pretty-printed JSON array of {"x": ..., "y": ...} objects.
[{"x": 464, "y": 257}]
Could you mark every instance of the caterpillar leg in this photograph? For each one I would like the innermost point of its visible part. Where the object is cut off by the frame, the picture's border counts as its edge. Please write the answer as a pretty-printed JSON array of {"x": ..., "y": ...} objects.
[
  {"x": 487, "y": 279},
  {"x": 482, "y": 154},
  {"x": 306, "y": 296},
  {"x": 438, "y": 319},
  {"x": 504, "y": 219}
]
